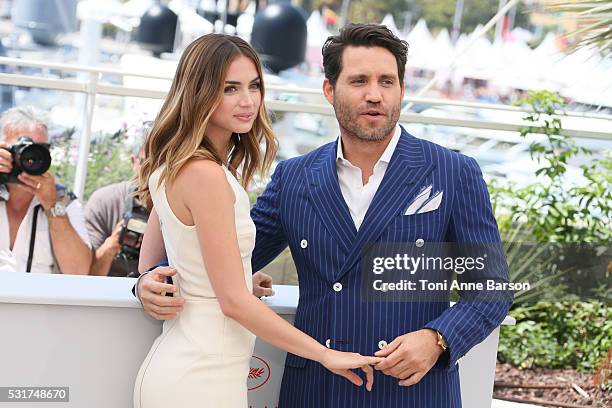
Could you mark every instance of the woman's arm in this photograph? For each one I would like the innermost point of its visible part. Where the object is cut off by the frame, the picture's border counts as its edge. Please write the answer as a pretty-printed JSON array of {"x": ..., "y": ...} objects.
[
  {"x": 216, "y": 230},
  {"x": 152, "y": 250}
]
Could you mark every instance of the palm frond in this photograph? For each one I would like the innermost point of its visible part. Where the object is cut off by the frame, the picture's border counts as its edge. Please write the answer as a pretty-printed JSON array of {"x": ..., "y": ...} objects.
[{"x": 595, "y": 20}]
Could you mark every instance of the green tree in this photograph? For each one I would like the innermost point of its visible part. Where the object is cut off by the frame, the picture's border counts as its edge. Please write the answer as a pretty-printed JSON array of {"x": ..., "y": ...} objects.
[
  {"x": 438, "y": 14},
  {"x": 373, "y": 11}
]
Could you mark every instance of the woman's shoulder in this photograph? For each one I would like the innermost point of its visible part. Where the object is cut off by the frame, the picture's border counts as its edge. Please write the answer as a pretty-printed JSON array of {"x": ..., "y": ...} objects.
[
  {"x": 203, "y": 176},
  {"x": 204, "y": 166},
  {"x": 203, "y": 172}
]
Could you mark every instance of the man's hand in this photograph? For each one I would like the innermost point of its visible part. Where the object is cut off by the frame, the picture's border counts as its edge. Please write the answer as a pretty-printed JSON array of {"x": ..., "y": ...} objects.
[
  {"x": 106, "y": 252},
  {"x": 111, "y": 244},
  {"x": 262, "y": 285},
  {"x": 409, "y": 357},
  {"x": 6, "y": 159},
  {"x": 150, "y": 289},
  {"x": 43, "y": 187}
]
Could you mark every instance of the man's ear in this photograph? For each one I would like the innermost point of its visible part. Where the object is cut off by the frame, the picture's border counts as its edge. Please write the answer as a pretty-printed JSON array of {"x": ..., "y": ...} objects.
[
  {"x": 403, "y": 89},
  {"x": 328, "y": 91}
]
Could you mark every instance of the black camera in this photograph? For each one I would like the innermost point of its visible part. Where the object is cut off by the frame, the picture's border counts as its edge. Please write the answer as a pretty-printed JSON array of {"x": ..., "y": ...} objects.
[
  {"x": 135, "y": 217},
  {"x": 134, "y": 224},
  {"x": 33, "y": 158},
  {"x": 131, "y": 235}
]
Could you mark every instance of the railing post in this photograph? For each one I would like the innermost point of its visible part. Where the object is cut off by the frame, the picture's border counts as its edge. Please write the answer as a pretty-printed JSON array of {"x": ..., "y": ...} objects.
[{"x": 85, "y": 139}]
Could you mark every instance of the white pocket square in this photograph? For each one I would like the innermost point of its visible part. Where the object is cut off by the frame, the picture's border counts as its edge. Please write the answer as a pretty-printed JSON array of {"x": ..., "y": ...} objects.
[
  {"x": 432, "y": 204},
  {"x": 418, "y": 201}
]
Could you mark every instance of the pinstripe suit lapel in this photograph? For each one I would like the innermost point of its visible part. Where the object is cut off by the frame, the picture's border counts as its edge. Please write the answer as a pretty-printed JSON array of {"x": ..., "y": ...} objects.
[
  {"x": 327, "y": 199},
  {"x": 402, "y": 179}
]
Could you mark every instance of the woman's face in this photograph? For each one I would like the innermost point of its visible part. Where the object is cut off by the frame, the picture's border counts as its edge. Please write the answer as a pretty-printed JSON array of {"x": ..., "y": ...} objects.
[{"x": 240, "y": 101}]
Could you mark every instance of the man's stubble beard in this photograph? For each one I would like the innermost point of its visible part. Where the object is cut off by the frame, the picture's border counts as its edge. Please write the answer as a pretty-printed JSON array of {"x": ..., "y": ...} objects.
[{"x": 350, "y": 124}]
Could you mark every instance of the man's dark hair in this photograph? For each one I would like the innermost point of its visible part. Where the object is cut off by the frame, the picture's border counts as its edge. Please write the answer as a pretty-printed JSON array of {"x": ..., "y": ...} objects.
[{"x": 365, "y": 35}]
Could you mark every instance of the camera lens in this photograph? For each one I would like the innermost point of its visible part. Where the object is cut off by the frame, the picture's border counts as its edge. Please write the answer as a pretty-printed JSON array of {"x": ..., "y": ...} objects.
[{"x": 34, "y": 159}]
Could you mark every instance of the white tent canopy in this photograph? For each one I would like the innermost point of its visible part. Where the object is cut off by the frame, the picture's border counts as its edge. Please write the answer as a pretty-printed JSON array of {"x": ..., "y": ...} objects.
[
  {"x": 586, "y": 77},
  {"x": 441, "y": 52},
  {"x": 191, "y": 24},
  {"x": 317, "y": 35},
  {"x": 478, "y": 60},
  {"x": 390, "y": 23},
  {"x": 244, "y": 26},
  {"x": 420, "y": 41},
  {"x": 317, "y": 32}
]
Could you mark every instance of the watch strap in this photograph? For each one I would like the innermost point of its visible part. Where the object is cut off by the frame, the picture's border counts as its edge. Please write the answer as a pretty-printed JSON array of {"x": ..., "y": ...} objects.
[{"x": 441, "y": 341}]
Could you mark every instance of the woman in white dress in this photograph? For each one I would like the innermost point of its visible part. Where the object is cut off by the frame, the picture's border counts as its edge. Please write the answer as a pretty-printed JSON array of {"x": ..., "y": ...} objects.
[{"x": 208, "y": 132}]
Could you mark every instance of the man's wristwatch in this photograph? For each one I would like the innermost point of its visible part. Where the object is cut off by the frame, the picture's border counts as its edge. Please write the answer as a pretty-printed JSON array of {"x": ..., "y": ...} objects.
[
  {"x": 441, "y": 341},
  {"x": 58, "y": 210}
]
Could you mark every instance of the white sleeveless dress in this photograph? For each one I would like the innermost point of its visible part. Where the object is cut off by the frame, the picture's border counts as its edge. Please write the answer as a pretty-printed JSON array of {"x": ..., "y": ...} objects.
[{"x": 202, "y": 357}]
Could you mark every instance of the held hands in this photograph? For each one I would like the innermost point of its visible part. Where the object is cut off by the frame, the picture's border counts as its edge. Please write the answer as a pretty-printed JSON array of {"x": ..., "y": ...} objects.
[
  {"x": 262, "y": 285},
  {"x": 409, "y": 357},
  {"x": 341, "y": 363},
  {"x": 152, "y": 288}
]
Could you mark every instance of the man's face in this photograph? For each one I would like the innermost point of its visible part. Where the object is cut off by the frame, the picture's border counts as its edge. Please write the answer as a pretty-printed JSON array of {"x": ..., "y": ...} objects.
[
  {"x": 368, "y": 93},
  {"x": 37, "y": 133}
]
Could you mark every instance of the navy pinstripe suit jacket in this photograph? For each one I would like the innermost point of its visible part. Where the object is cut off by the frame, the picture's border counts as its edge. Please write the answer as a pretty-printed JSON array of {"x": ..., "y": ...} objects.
[{"x": 303, "y": 201}]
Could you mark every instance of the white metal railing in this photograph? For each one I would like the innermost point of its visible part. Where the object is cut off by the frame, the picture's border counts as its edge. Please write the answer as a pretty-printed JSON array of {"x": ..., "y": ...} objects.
[
  {"x": 79, "y": 86},
  {"x": 90, "y": 85}
]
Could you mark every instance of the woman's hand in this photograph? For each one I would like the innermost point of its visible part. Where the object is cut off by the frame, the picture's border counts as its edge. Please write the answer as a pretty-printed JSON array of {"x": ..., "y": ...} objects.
[{"x": 341, "y": 363}]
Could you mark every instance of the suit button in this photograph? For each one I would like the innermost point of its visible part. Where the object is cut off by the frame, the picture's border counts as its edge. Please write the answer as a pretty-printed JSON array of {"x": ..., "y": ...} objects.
[
  {"x": 337, "y": 286},
  {"x": 328, "y": 343},
  {"x": 420, "y": 242},
  {"x": 382, "y": 344},
  {"x": 304, "y": 244}
]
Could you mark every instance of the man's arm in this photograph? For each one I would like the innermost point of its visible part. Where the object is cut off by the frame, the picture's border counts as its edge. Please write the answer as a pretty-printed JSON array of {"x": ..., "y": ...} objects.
[
  {"x": 476, "y": 314},
  {"x": 410, "y": 356},
  {"x": 69, "y": 239},
  {"x": 154, "y": 273},
  {"x": 104, "y": 239},
  {"x": 271, "y": 240},
  {"x": 103, "y": 256},
  {"x": 72, "y": 253}
]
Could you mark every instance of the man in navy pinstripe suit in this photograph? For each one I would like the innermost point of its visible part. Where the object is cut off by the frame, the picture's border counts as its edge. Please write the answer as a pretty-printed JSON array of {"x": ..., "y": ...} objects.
[{"x": 376, "y": 183}]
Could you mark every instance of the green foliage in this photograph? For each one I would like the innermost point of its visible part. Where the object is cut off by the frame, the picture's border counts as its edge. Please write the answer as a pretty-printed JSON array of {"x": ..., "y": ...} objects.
[
  {"x": 554, "y": 210},
  {"x": 558, "y": 335},
  {"x": 549, "y": 333},
  {"x": 438, "y": 14},
  {"x": 108, "y": 162},
  {"x": 532, "y": 263}
]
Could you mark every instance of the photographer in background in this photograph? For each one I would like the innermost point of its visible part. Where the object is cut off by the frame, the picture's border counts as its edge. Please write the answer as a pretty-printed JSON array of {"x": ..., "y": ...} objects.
[
  {"x": 115, "y": 220},
  {"x": 42, "y": 228}
]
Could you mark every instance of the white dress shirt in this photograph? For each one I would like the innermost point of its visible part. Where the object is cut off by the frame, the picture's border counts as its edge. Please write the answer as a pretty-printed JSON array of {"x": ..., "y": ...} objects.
[
  {"x": 358, "y": 196},
  {"x": 43, "y": 261}
]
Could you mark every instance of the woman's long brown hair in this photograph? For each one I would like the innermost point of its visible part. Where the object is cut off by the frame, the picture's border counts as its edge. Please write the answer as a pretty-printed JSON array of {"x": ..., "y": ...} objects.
[{"x": 179, "y": 131}]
